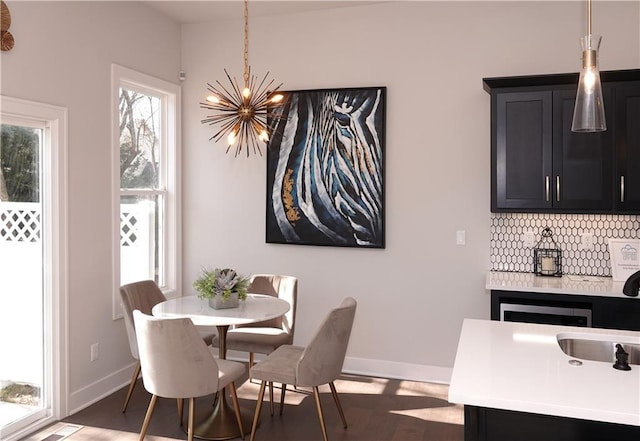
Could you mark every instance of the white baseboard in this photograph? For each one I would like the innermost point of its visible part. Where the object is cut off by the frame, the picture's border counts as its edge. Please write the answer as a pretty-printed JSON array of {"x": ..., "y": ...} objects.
[
  {"x": 380, "y": 368},
  {"x": 400, "y": 371},
  {"x": 98, "y": 390}
]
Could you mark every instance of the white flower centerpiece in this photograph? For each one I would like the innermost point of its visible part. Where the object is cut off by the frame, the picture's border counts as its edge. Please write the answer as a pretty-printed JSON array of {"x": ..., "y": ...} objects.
[{"x": 223, "y": 287}]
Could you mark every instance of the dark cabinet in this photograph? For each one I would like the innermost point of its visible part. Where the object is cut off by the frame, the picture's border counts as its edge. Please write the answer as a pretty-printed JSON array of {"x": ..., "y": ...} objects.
[
  {"x": 582, "y": 162},
  {"x": 487, "y": 424},
  {"x": 521, "y": 150},
  {"x": 617, "y": 313},
  {"x": 606, "y": 312},
  {"x": 539, "y": 165},
  {"x": 627, "y": 183}
]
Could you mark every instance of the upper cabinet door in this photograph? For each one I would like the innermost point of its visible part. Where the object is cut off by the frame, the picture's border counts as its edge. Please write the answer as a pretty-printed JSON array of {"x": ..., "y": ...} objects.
[
  {"x": 521, "y": 150},
  {"x": 582, "y": 162},
  {"x": 627, "y": 139}
]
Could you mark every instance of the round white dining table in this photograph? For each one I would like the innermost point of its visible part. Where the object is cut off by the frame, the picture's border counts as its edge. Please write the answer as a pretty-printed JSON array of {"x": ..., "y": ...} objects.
[{"x": 220, "y": 423}]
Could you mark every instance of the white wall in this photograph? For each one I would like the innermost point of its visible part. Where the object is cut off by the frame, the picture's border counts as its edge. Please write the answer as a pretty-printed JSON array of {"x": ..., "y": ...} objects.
[
  {"x": 414, "y": 294},
  {"x": 432, "y": 57},
  {"x": 62, "y": 56}
]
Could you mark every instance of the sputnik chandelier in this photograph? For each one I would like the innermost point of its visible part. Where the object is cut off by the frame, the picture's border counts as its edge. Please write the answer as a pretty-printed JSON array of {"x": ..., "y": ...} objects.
[{"x": 243, "y": 114}]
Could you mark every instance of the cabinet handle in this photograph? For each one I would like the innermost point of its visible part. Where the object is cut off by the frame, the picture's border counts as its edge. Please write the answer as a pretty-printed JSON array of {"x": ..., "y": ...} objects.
[
  {"x": 621, "y": 188},
  {"x": 546, "y": 187},
  {"x": 558, "y": 188}
]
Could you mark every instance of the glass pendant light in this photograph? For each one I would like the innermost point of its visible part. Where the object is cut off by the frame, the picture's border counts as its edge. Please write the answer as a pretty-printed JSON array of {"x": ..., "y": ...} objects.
[{"x": 588, "y": 114}]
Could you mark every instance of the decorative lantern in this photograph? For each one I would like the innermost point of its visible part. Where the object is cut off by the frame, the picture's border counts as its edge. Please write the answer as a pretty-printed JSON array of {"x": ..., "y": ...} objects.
[{"x": 547, "y": 257}]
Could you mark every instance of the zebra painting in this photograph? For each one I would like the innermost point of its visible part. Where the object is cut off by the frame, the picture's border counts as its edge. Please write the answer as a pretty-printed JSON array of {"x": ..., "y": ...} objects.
[{"x": 325, "y": 169}]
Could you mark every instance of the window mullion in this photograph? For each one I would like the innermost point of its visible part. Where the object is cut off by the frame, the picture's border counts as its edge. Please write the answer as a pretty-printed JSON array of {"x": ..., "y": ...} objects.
[{"x": 142, "y": 192}]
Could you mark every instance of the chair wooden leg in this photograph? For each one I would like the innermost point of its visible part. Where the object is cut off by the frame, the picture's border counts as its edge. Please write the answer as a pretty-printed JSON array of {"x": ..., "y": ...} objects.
[
  {"x": 236, "y": 407},
  {"x": 337, "y": 400},
  {"x": 251, "y": 363},
  {"x": 134, "y": 379},
  {"x": 192, "y": 405},
  {"x": 180, "y": 410},
  {"x": 271, "y": 397},
  {"x": 147, "y": 417},
  {"x": 256, "y": 416},
  {"x": 316, "y": 394},
  {"x": 284, "y": 389}
]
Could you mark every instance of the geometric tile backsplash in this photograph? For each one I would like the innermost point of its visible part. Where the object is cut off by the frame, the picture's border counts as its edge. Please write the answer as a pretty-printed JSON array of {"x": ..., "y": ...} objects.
[{"x": 508, "y": 252}]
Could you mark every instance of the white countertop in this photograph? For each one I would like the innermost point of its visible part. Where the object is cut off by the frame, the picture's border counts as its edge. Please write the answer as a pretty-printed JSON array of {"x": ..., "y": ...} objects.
[
  {"x": 520, "y": 367},
  {"x": 567, "y": 284}
]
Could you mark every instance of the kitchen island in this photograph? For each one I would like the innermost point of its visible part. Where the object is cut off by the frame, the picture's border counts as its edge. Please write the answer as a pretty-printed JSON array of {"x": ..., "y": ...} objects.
[{"x": 516, "y": 383}]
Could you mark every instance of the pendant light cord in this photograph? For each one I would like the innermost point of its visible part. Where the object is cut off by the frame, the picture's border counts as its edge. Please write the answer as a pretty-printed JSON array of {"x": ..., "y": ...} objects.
[
  {"x": 246, "y": 43},
  {"x": 588, "y": 17}
]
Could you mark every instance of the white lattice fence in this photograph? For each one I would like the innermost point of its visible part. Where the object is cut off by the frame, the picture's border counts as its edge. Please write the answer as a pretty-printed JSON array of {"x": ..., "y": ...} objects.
[
  {"x": 20, "y": 222},
  {"x": 20, "y": 290},
  {"x": 137, "y": 233}
]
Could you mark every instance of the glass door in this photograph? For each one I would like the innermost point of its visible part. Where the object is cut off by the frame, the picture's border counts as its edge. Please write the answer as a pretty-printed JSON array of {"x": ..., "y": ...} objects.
[{"x": 24, "y": 375}]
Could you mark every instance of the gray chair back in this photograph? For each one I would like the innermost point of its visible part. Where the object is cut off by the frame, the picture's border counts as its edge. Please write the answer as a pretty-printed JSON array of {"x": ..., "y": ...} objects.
[
  {"x": 143, "y": 296},
  {"x": 322, "y": 360},
  {"x": 176, "y": 362},
  {"x": 284, "y": 287}
]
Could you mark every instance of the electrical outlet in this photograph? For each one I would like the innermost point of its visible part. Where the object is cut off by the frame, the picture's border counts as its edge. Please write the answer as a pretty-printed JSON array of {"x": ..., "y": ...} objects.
[
  {"x": 95, "y": 352},
  {"x": 529, "y": 239},
  {"x": 586, "y": 242},
  {"x": 461, "y": 237}
]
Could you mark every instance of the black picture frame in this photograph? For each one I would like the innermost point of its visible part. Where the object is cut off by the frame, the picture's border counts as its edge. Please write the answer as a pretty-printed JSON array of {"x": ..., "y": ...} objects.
[{"x": 325, "y": 168}]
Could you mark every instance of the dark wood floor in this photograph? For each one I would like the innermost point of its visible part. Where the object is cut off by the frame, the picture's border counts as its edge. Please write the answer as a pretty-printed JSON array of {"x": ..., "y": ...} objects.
[{"x": 375, "y": 408}]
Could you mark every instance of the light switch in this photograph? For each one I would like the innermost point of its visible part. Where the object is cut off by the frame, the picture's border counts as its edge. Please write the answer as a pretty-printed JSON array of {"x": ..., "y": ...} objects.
[{"x": 461, "y": 237}]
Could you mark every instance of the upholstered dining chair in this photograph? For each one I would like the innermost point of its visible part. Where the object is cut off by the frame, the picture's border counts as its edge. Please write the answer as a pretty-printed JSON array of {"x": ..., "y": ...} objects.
[
  {"x": 265, "y": 337},
  {"x": 143, "y": 295},
  {"x": 316, "y": 364},
  {"x": 176, "y": 363}
]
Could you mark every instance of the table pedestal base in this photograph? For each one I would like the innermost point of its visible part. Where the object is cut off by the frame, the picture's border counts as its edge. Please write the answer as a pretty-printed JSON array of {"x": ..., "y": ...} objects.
[{"x": 220, "y": 423}]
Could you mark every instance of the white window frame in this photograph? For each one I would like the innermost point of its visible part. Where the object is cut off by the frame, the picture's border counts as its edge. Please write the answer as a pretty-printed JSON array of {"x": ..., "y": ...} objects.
[
  {"x": 170, "y": 95},
  {"x": 53, "y": 120}
]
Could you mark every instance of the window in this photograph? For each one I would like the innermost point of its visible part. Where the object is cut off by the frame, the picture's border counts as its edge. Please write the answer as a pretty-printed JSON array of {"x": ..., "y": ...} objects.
[
  {"x": 33, "y": 262},
  {"x": 145, "y": 166}
]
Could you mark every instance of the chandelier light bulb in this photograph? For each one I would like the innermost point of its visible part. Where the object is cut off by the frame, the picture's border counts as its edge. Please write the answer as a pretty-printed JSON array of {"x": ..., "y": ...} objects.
[
  {"x": 277, "y": 98},
  {"x": 213, "y": 99},
  {"x": 264, "y": 136},
  {"x": 246, "y": 92},
  {"x": 231, "y": 139}
]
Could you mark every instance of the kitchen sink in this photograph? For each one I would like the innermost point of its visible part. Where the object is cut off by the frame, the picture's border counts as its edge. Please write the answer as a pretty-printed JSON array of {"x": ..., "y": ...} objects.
[{"x": 597, "y": 350}]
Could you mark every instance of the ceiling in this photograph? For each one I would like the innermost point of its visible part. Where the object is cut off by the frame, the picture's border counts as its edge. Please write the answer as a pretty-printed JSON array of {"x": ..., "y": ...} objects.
[{"x": 187, "y": 11}]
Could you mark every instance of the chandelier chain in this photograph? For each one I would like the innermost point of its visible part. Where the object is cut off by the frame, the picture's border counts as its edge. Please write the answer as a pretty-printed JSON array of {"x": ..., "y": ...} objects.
[{"x": 246, "y": 43}]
